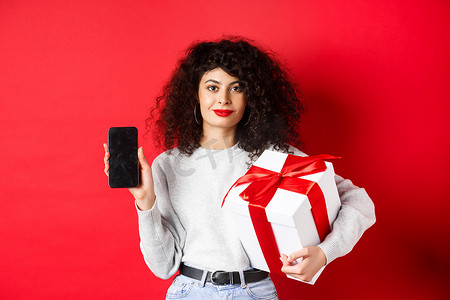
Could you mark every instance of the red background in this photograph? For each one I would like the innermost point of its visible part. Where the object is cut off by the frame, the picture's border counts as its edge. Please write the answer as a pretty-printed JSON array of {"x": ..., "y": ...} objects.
[{"x": 375, "y": 78}]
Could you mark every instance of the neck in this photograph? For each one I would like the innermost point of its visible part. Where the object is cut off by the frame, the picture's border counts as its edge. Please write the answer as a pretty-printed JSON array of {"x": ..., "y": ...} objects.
[{"x": 218, "y": 139}]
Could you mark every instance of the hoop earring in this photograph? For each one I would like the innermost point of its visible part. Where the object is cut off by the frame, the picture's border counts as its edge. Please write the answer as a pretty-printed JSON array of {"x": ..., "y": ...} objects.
[
  {"x": 195, "y": 114},
  {"x": 248, "y": 120}
]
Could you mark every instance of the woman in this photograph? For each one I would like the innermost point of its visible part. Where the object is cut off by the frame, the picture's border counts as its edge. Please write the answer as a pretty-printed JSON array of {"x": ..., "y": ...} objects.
[{"x": 225, "y": 104}]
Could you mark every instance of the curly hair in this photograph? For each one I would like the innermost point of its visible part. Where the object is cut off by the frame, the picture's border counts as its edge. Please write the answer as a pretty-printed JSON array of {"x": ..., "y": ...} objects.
[{"x": 273, "y": 110}]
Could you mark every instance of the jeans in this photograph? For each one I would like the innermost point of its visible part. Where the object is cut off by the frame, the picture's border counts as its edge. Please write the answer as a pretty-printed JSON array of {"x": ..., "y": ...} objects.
[{"x": 187, "y": 288}]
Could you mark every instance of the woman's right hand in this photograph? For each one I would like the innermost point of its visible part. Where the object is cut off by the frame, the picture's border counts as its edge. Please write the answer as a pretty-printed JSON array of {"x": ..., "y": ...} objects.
[{"x": 144, "y": 193}]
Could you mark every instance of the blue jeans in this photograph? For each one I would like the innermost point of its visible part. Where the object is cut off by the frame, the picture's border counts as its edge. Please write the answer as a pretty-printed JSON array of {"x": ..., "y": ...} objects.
[{"x": 187, "y": 288}]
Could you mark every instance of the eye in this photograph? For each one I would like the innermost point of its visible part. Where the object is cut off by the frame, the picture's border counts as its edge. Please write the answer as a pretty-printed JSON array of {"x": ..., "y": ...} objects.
[
  {"x": 236, "y": 88},
  {"x": 212, "y": 88}
]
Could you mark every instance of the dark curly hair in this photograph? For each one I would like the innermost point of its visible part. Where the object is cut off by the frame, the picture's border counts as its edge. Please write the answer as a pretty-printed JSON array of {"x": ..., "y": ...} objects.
[{"x": 273, "y": 110}]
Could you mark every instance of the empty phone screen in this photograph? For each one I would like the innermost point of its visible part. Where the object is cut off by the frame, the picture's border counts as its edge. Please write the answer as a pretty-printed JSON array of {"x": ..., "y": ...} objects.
[{"x": 123, "y": 162}]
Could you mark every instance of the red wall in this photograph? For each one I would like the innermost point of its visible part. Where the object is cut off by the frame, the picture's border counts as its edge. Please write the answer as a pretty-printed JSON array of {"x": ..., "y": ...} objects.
[{"x": 374, "y": 75}]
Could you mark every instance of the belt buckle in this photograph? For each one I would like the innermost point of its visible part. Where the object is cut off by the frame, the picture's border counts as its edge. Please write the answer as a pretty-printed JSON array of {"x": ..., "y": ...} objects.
[{"x": 212, "y": 278}]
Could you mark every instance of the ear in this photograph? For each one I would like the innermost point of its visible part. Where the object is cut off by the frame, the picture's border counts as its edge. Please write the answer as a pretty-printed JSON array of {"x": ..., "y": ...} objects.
[
  {"x": 245, "y": 117},
  {"x": 197, "y": 100}
]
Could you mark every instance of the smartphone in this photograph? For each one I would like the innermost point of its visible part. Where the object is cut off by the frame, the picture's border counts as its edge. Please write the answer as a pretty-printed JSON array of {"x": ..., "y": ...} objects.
[{"x": 123, "y": 162}]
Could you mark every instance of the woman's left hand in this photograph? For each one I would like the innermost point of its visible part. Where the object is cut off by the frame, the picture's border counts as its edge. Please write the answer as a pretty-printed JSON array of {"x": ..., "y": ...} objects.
[{"x": 312, "y": 260}]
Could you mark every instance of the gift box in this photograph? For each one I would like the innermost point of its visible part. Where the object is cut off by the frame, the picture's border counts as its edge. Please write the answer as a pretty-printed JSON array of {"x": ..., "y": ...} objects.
[{"x": 282, "y": 204}]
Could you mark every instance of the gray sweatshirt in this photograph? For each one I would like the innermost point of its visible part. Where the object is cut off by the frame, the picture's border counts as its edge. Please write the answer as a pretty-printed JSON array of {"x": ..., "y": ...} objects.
[{"x": 187, "y": 223}]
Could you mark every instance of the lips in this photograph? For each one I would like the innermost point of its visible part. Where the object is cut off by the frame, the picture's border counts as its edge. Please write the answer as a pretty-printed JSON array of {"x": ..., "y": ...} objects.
[{"x": 223, "y": 112}]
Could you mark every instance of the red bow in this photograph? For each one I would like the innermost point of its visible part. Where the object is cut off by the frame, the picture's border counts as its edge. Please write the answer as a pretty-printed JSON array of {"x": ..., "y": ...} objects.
[{"x": 263, "y": 185}]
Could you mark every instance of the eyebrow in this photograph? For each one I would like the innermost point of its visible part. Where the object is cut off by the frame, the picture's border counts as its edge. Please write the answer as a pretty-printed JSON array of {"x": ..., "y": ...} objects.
[{"x": 218, "y": 82}]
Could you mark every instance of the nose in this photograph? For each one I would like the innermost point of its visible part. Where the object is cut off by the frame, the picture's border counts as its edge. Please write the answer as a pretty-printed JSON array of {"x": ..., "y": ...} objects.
[
  {"x": 224, "y": 101},
  {"x": 224, "y": 98}
]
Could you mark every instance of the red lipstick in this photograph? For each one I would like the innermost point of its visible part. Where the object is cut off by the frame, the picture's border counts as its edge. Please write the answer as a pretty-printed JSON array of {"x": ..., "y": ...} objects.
[{"x": 223, "y": 112}]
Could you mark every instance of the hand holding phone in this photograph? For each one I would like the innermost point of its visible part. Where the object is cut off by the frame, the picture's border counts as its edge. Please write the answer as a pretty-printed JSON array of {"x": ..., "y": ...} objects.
[{"x": 144, "y": 193}]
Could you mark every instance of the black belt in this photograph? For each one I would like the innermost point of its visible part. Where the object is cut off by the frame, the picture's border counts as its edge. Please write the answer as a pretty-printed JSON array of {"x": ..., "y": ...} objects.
[{"x": 222, "y": 277}]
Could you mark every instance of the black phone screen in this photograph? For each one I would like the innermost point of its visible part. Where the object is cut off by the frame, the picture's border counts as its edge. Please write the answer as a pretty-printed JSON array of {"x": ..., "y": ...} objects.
[{"x": 123, "y": 162}]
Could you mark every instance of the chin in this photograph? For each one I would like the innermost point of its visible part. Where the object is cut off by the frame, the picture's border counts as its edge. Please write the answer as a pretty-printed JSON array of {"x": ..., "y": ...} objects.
[{"x": 226, "y": 124}]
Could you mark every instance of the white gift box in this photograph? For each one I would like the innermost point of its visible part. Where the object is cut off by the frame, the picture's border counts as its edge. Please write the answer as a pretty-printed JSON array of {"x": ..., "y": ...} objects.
[{"x": 288, "y": 212}]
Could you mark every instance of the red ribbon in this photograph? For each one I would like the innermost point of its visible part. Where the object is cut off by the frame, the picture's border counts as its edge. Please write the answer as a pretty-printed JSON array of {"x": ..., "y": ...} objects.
[{"x": 263, "y": 185}]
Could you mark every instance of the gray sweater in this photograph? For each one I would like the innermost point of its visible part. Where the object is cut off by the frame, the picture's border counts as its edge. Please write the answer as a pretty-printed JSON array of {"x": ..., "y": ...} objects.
[{"x": 187, "y": 223}]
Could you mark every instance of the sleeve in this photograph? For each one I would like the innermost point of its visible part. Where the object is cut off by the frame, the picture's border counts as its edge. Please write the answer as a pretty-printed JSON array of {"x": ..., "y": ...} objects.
[
  {"x": 356, "y": 215},
  {"x": 161, "y": 232}
]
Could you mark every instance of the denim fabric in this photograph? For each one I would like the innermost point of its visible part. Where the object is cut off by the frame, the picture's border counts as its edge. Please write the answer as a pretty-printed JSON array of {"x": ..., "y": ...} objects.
[{"x": 187, "y": 288}]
